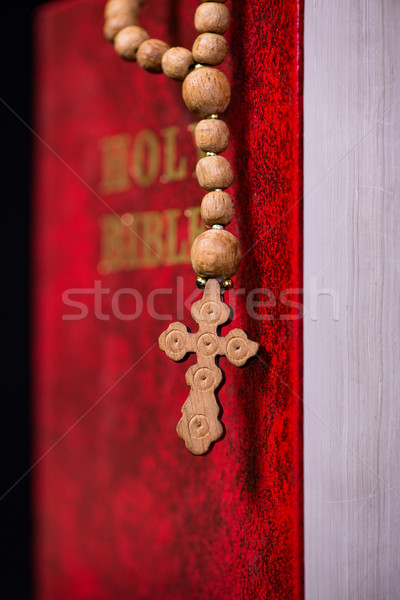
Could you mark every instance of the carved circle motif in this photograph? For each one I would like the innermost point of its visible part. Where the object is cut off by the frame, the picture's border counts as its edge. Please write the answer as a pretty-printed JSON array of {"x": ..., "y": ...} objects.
[
  {"x": 199, "y": 426},
  {"x": 210, "y": 312},
  {"x": 175, "y": 342},
  {"x": 207, "y": 344},
  {"x": 203, "y": 379},
  {"x": 237, "y": 349}
]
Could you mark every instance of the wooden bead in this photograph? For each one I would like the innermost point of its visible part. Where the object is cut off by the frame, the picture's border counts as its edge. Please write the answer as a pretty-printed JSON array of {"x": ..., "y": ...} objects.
[
  {"x": 211, "y": 17},
  {"x": 217, "y": 208},
  {"x": 210, "y": 48},
  {"x": 214, "y": 172},
  {"x": 206, "y": 91},
  {"x": 150, "y": 54},
  {"x": 114, "y": 24},
  {"x": 212, "y": 135},
  {"x": 114, "y": 7},
  {"x": 176, "y": 62},
  {"x": 128, "y": 40},
  {"x": 216, "y": 253}
]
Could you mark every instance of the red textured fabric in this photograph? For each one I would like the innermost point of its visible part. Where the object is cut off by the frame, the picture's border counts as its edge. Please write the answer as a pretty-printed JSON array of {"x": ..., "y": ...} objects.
[{"x": 121, "y": 509}]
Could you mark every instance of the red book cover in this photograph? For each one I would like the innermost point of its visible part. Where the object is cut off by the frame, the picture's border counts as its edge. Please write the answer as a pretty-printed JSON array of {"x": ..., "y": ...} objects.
[{"x": 121, "y": 508}]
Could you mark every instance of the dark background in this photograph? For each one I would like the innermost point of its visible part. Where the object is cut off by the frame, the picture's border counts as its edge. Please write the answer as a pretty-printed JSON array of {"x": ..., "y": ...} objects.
[{"x": 16, "y": 90}]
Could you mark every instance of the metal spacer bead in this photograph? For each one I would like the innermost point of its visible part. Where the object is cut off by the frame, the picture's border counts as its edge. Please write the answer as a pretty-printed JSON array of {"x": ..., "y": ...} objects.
[
  {"x": 198, "y": 66},
  {"x": 211, "y": 154},
  {"x": 227, "y": 284},
  {"x": 214, "y": 116},
  {"x": 201, "y": 282},
  {"x": 216, "y": 226}
]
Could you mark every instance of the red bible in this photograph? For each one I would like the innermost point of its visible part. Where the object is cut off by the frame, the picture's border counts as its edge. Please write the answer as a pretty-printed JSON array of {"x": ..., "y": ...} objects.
[{"x": 121, "y": 508}]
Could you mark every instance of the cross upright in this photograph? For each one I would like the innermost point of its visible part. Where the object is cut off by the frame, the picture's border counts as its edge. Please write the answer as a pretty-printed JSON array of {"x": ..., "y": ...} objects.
[{"x": 199, "y": 426}]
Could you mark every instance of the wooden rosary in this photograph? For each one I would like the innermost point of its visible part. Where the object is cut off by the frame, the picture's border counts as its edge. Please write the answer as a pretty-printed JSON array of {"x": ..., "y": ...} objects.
[{"x": 216, "y": 252}]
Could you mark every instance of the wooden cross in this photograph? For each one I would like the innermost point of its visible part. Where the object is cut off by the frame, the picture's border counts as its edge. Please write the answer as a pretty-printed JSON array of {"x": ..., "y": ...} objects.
[{"x": 199, "y": 426}]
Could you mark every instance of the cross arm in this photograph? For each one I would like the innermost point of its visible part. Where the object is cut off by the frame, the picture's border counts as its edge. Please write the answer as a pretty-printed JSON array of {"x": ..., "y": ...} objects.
[
  {"x": 237, "y": 347},
  {"x": 177, "y": 341}
]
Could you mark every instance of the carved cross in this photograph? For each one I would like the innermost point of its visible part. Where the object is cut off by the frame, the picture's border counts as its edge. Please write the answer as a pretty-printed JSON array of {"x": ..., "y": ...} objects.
[{"x": 199, "y": 426}]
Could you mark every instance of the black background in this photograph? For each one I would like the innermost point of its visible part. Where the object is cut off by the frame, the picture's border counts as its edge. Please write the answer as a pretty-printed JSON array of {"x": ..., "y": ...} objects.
[{"x": 16, "y": 89}]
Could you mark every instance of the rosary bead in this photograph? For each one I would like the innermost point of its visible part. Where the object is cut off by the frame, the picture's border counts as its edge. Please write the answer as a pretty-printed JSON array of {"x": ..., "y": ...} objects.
[
  {"x": 206, "y": 91},
  {"x": 128, "y": 40},
  {"x": 210, "y": 49},
  {"x": 217, "y": 208},
  {"x": 114, "y": 24},
  {"x": 212, "y": 135},
  {"x": 211, "y": 17},
  {"x": 176, "y": 63},
  {"x": 114, "y": 7},
  {"x": 214, "y": 172},
  {"x": 216, "y": 253},
  {"x": 150, "y": 53}
]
